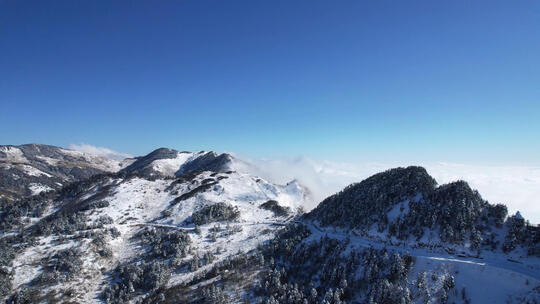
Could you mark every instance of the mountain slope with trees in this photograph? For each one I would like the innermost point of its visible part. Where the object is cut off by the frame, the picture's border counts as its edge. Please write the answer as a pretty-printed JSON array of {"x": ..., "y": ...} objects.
[{"x": 119, "y": 237}]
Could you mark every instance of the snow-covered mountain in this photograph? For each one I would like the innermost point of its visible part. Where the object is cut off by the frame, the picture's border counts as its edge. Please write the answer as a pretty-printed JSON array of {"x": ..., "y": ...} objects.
[
  {"x": 169, "y": 217},
  {"x": 27, "y": 170},
  {"x": 398, "y": 238},
  {"x": 165, "y": 162},
  {"x": 197, "y": 227}
]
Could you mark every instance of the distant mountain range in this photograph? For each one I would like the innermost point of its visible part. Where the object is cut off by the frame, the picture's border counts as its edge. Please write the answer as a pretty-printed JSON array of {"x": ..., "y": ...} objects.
[
  {"x": 197, "y": 227},
  {"x": 27, "y": 170}
]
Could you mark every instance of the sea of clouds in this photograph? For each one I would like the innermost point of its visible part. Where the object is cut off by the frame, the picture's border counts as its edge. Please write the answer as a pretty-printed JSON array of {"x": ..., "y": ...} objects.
[{"x": 518, "y": 187}]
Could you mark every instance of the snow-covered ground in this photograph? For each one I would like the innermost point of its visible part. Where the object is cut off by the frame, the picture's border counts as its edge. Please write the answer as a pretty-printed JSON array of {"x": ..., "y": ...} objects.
[
  {"x": 169, "y": 166},
  {"x": 29, "y": 170},
  {"x": 136, "y": 202},
  {"x": 493, "y": 277},
  {"x": 38, "y": 188}
]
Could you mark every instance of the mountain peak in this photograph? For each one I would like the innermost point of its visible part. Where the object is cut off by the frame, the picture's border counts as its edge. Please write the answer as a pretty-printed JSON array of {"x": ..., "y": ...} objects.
[
  {"x": 360, "y": 204},
  {"x": 162, "y": 150},
  {"x": 210, "y": 161},
  {"x": 170, "y": 162},
  {"x": 404, "y": 203}
]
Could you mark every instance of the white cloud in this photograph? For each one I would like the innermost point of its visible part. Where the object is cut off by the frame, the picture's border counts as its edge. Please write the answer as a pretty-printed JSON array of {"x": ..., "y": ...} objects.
[
  {"x": 100, "y": 151},
  {"x": 518, "y": 187},
  {"x": 515, "y": 186}
]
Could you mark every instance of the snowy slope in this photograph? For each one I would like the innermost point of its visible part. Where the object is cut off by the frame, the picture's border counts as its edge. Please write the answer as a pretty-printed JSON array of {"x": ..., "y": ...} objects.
[
  {"x": 492, "y": 277},
  {"x": 133, "y": 203}
]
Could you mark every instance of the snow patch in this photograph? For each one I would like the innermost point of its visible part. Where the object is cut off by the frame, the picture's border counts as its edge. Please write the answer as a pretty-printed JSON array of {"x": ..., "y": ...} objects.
[
  {"x": 38, "y": 188},
  {"x": 48, "y": 160},
  {"x": 13, "y": 155},
  {"x": 31, "y": 171},
  {"x": 169, "y": 166},
  {"x": 399, "y": 210}
]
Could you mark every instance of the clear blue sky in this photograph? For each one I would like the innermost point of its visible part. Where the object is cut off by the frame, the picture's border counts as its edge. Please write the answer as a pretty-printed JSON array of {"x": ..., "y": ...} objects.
[{"x": 370, "y": 80}]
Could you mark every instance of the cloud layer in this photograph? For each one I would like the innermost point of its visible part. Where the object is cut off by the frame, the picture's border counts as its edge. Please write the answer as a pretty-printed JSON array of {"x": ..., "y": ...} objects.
[
  {"x": 101, "y": 151},
  {"x": 517, "y": 187}
]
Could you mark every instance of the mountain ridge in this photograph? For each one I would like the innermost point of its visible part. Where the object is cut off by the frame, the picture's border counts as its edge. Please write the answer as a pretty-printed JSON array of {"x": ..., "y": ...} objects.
[
  {"x": 100, "y": 227},
  {"x": 29, "y": 169}
]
